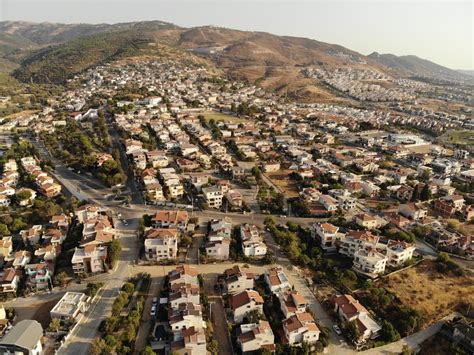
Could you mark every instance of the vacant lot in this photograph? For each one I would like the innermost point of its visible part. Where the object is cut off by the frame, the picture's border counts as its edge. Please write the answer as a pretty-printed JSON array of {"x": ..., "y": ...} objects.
[
  {"x": 217, "y": 116},
  {"x": 464, "y": 137},
  {"x": 435, "y": 295},
  {"x": 284, "y": 182}
]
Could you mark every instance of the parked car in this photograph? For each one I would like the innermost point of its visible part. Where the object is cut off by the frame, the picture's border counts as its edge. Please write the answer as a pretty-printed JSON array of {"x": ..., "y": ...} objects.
[
  {"x": 155, "y": 301},
  {"x": 337, "y": 329},
  {"x": 153, "y": 311},
  {"x": 124, "y": 221}
]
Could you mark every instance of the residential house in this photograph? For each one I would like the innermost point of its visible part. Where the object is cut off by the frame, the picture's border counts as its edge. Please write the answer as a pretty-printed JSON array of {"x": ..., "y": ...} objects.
[
  {"x": 245, "y": 302},
  {"x": 183, "y": 274},
  {"x": 161, "y": 244},
  {"x": 276, "y": 280},
  {"x": 190, "y": 342},
  {"x": 349, "y": 309},
  {"x": 237, "y": 279},
  {"x": 357, "y": 240},
  {"x": 10, "y": 278},
  {"x": 256, "y": 336},
  {"x": 213, "y": 196},
  {"x": 366, "y": 221},
  {"x": 300, "y": 328},
  {"x": 171, "y": 219},
  {"x": 291, "y": 302},
  {"x": 38, "y": 276},
  {"x": 252, "y": 242},
  {"x": 89, "y": 260},
  {"x": 6, "y": 246},
  {"x": 183, "y": 293},
  {"x": 70, "y": 306},
  {"x": 24, "y": 338},
  {"x": 412, "y": 211}
]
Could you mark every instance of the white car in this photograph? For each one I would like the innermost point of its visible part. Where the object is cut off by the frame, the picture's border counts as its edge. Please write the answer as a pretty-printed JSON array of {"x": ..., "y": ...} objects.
[
  {"x": 337, "y": 329},
  {"x": 153, "y": 311}
]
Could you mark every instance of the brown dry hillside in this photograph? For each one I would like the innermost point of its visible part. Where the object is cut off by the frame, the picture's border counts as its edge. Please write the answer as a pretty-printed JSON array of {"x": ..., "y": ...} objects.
[{"x": 429, "y": 292}]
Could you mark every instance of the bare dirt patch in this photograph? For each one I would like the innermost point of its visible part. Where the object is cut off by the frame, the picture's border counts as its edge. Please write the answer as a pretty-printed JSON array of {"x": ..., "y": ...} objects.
[
  {"x": 433, "y": 294},
  {"x": 284, "y": 182}
]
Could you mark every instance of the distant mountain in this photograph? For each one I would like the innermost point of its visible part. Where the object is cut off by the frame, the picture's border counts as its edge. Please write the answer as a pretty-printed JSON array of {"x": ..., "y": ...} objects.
[
  {"x": 54, "y": 52},
  {"x": 466, "y": 72},
  {"x": 415, "y": 66}
]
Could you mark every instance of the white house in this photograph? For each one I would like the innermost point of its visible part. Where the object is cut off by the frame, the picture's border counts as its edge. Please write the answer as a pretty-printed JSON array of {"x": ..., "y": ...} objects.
[
  {"x": 327, "y": 235},
  {"x": 369, "y": 262},
  {"x": 256, "y": 336},
  {"x": 277, "y": 280},
  {"x": 213, "y": 196},
  {"x": 161, "y": 244},
  {"x": 300, "y": 328},
  {"x": 245, "y": 302},
  {"x": 398, "y": 252},
  {"x": 349, "y": 309}
]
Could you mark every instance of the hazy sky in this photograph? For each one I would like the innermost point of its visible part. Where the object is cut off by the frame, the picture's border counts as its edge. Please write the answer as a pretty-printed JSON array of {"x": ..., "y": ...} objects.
[{"x": 441, "y": 31}]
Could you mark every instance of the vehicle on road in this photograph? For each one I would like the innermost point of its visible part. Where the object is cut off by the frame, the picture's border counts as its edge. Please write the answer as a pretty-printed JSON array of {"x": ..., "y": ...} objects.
[
  {"x": 337, "y": 330},
  {"x": 153, "y": 311},
  {"x": 124, "y": 222},
  {"x": 154, "y": 301}
]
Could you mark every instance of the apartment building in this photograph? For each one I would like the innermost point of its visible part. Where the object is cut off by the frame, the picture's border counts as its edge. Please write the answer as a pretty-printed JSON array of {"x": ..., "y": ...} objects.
[
  {"x": 326, "y": 234},
  {"x": 357, "y": 240},
  {"x": 213, "y": 196},
  {"x": 399, "y": 252},
  {"x": 369, "y": 262}
]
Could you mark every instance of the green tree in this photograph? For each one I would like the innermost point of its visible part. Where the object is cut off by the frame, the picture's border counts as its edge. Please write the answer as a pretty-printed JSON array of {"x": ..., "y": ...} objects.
[
  {"x": 61, "y": 279},
  {"x": 114, "y": 250},
  {"x": 351, "y": 330},
  {"x": 389, "y": 333},
  {"x": 23, "y": 195},
  {"x": 425, "y": 193},
  {"x": 98, "y": 346},
  {"x": 4, "y": 231},
  {"x": 443, "y": 258},
  {"x": 128, "y": 288},
  {"x": 54, "y": 325},
  {"x": 416, "y": 194},
  {"x": 213, "y": 347},
  {"x": 269, "y": 258},
  {"x": 147, "y": 351}
]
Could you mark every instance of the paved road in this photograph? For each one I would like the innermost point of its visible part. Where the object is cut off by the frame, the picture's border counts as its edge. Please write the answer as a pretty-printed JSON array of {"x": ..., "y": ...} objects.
[
  {"x": 86, "y": 188},
  {"x": 83, "y": 335},
  {"x": 413, "y": 341}
]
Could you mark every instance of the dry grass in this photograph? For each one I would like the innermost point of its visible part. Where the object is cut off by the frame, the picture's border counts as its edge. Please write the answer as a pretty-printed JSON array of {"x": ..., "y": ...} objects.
[
  {"x": 217, "y": 116},
  {"x": 284, "y": 182},
  {"x": 425, "y": 290}
]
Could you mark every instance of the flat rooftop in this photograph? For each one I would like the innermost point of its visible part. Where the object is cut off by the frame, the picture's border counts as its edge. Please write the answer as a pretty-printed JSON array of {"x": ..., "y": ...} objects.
[{"x": 69, "y": 304}]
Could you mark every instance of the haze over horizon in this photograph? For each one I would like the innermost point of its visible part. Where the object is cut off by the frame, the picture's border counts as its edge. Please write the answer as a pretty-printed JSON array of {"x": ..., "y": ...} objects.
[{"x": 439, "y": 31}]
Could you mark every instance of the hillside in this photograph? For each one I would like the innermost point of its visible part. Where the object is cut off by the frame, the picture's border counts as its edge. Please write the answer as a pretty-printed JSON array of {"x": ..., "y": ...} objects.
[
  {"x": 55, "y": 52},
  {"x": 415, "y": 66},
  {"x": 55, "y": 64}
]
